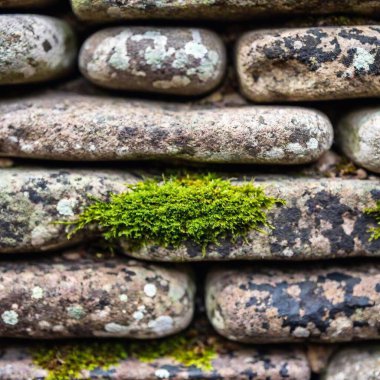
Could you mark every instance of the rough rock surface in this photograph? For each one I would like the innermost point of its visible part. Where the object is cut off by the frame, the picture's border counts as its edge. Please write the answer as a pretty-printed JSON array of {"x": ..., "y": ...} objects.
[
  {"x": 181, "y": 61},
  {"x": 303, "y": 303},
  {"x": 73, "y": 127},
  {"x": 323, "y": 218},
  {"x": 309, "y": 63},
  {"x": 103, "y": 10},
  {"x": 359, "y": 138},
  {"x": 83, "y": 298},
  {"x": 359, "y": 363},
  {"x": 34, "y": 48},
  {"x": 24, "y": 3}
]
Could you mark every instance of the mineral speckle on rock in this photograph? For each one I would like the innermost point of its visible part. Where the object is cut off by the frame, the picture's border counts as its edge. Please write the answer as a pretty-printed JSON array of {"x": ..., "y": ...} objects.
[
  {"x": 309, "y": 63},
  {"x": 73, "y": 127},
  {"x": 107, "y": 10},
  {"x": 359, "y": 138},
  {"x": 86, "y": 298},
  {"x": 308, "y": 303},
  {"x": 181, "y": 61},
  {"x": 34, "y": 48}
]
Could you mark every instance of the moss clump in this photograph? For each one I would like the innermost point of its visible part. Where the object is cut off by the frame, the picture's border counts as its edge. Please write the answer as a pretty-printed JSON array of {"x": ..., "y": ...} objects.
[
  {"x": 199, "y": 209},
  {"x": 375, "y": 212},
  {"x": 188, "y": 351},
  {"x": 67, "y": 361}
]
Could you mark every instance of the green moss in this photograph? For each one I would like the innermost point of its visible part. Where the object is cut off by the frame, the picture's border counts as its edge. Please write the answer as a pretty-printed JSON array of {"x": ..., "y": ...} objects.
[
  {"x": 66, "y": 362},
  {"x": 188, "y": 351},
  {"x": 200, "y": 209},
  {"x": 375, "y": 212}
]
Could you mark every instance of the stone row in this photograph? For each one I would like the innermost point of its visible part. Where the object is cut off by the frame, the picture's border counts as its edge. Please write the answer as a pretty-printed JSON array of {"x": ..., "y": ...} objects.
[
  {"x": 76, "y": 296},
  {"x": 107, "y": 10},
  {"x": 59, "y": 126},
  {"x": 322, "y": 218},
  {"x": 326, "y": 303}
]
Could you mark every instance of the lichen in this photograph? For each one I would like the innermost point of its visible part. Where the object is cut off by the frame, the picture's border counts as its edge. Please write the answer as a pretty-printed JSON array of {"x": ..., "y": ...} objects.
[
  {"x": 66, "y": 362},
  {"x": 200, "y": 209},
  {"x": 375, "y": 212}
]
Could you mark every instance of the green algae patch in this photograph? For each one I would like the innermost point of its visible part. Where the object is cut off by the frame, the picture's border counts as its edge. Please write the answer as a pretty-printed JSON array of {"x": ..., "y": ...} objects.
[
  {"x": 375, "y": 212},
  {"x": 199, "y": 209},
  {"x": 66, "y": 362},
  {"x": 188, "y": 351}
]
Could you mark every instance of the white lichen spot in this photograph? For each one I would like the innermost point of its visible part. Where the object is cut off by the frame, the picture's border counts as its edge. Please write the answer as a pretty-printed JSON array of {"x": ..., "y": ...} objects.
[
  {"x": 150, "y": 290},
  {"x": 162, "y": 324},
  {"x": 76, "y": 312},
  {"x": 123, "y": 298},
  {"x": 10, "y": 317},
  {"x": 138, "y": 315},
  {"x": 37, "y": 293},
  {"x": 363, "y": 59},
  {"x": 162, "y": 373},
  {"x": 116, "y": 328},
  {"x": 65, "y": 207},
  {"x": 298, "y": 45}
]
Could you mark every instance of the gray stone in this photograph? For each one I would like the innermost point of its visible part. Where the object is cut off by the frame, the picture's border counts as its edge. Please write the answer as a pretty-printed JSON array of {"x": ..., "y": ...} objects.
[
  {"x": 81, "y": 297},
  {"x": 355, "y": 363},
  {"x": 359, "y": 138},
  {"x": 13, "y": 4},
  {"x": 179, "y": 61},
  {"x": 35, "y": 48},
  {"x": 295, "y": 304},
  {"x": 73, "y": 127},
  {"x": 309, "y": 63},
  {"x": 106, "y": 10}
]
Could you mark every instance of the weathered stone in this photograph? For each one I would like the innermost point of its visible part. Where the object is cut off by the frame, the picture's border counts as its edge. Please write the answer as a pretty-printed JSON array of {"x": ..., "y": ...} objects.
[
  {"x": 310, "y": 63},
  {"x": 73, "y": 127},
  {"x": 24, "y": 3},
  {"x": 80, "y": 297},
  {"x": 34, "y": 48},
  {"x": 359, "y": 138},
  {"x": 355, "y": 363},
  {"x": 103, "y": 10},
  {"x": 179, "y": 61},
  {"x": 303, "y": 303},
  {"x": 322, "y": 218}
]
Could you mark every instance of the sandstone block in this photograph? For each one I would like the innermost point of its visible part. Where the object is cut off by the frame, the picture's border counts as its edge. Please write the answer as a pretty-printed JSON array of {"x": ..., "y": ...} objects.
[{"x": 309, "y": 63}]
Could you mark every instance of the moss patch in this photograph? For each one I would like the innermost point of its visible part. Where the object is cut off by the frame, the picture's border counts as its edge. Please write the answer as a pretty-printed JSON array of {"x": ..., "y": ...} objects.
[
  {"x": 198, "y": 209},
  {"x": 66, "y": 362},
  {"x": 375, "y": 212}
]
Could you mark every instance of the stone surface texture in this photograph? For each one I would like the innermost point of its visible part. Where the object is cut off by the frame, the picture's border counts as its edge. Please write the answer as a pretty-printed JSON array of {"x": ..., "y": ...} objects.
[
  {"x": 303, "y": 303},
  {"x": 86, "y": 298},
  {"x": 309, "y": 63},
  {"x": 74, "y": 127},
  {"x": 359, "y": 138},
  {"x": 24, "y": 3},
  {"x": 323, "y": 218},
  {"x": 180, "y": 61},
  {"x": 103, "y": 10},
  {"x": 35, "y": 48},
  {"x": 359, "y": 363}
]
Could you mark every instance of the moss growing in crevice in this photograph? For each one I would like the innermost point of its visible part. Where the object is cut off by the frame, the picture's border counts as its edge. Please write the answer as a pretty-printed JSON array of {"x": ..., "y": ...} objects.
[
  {"x": 65, "y": 362},
  {"x": 375, "y": 212},
  {"x": 199, "y": 209}
]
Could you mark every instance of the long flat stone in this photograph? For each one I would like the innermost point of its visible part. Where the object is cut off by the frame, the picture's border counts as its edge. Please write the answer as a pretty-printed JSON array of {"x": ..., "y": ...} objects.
[
  {"x": 359, "y": 138},
  {"x": 74, "y": 127},
  {"x": 180, "y": 61},
  {"x": 35, "y": 48},
  {"x": 295, "y": 304},
  {"x": 77, "y": 297},
  {"x": 106, "y": 10},
  {"x": 309, "y": 63}
]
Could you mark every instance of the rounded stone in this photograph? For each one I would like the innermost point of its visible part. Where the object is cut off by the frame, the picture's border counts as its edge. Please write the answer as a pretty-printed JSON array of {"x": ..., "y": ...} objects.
[
  {"x": 13, "y": 4},
  {"x": 309, "y": 63},
  {"x": 180, "y": 61},
  {"x": 295, "y": 304},
  {"x": 79, "y": 297},
  {"x": 359, "y": 138},
  {"x": 74, "y": 127},
  {"x": 35, "y": 48}
]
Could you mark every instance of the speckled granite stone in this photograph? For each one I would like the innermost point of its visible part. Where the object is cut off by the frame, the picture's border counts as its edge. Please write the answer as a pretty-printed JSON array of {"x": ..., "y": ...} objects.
[
  {"x": 74, "y": 127},
  {"x": 359, "y": 138},
  {"x": 355, "y": 363},
  {"x": 77, "y": 297},
  {"x": 309, "y": 63},
  {"x": 179, "y": 61},
  {"x": 302, "y": 303},
  {"x": 13, "y": 4},
  {"x": 34, "y": 48},
  {"x": 103, "y": 10}
]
